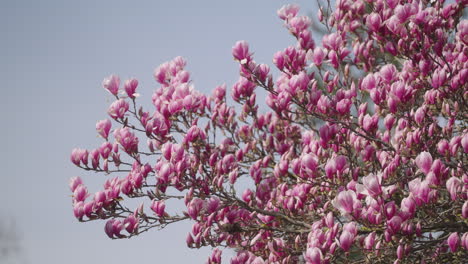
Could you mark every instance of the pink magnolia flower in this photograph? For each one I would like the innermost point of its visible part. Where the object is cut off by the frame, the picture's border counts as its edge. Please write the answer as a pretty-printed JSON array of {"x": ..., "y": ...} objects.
[
  {"x": 215, "y": 257},
  {"x": 242, "y": 88},
  {"x": 443, "y": 147},
  {"x": 288, "y": 11},
  {"x": 111, "y": 84},
  {"x": 453, "y": 187},
  {"x": 370, "y": 123},
  {"x": 373, "y": 21},
  {"x": 240, "y": 51},
  {"x": 404, "y": 12},
  {"x": 113, "y": 228},
  {"x": 247, "y": 195},
  {"x": 346, "y": 240},
  {"x": 194, "y": 207},
  {"x": 100, "y": 197},
  {"x": 388, "y": 73},
  {"x": 341, "y": 163},
  {"x": 78, "y": 155},
  {"x": 298, "y": 24},
  {"x": 130, "y": 87},
  {"x": 105, "y": 150},
  {"x": 219, "y": 93},
  {"x": 343, "y": 106},
  {"x": 389, "y": 121},
  {"x": 438, "y": 78},
  {"x": 308, "y": 165},
  {"x": 345, "y": 202},
  {"x": 278, "y": 60},
  {"x": 162, "y": 74},
  {"x": 332, "y": 41},
  {"x": 193, "y": 134},
  {"x": 95, "y": 155},
  {"x": 372, "y": 183},
  {"x": 158, "y": 207},
  {"x": 369, "y": 82},
  {"x": 103, "y": 128},
  {"x": 165, "y": 172},
  {"x": 118, "y": 109},
  {"x": 298, "y": 83},
  {"x": 420, "y": 190},
  {"x": 262, "y": 72},
  {"x": 424, "y": 162},
  {"x": 330, "y": 168},
  {"x": 126, "y": 139},
  {"x": 408, "y": 205},
  {"x": 390, "y": 209},
  {"x": 78, "y": 209},
  {"x": 131, "y": 224},
  {"x": 74, "y": 183},
  {"x": 419, "y": 115},
  {"x": 400, "y": 252},
  {"x": 453, "y": 241},
  {"x": 212, "y": 204},
  {"x": 369, "y": 241},
  {"x": 318, "y": 56},
  {"x": 394, "y": 224},
  {"x": 80, "y": 193},
  {"x": 313, "y": 255},
  {"x": 351, "y": 227}
]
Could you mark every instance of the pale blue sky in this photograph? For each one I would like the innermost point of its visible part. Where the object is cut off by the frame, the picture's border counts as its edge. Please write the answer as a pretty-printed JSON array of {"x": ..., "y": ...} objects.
[{"x": 53, "y": 57}]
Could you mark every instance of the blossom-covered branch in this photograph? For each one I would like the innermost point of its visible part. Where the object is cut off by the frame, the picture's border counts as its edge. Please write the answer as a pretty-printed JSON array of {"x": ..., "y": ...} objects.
[{"x": 361, "y": 155}]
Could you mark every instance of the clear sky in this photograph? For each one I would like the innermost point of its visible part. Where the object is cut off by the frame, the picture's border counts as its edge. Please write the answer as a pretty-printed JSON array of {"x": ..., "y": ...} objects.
[{"x": 53, "y": 57}]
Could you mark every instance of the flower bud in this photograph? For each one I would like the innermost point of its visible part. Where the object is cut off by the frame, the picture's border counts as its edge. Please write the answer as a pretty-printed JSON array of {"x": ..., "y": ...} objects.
[
  {"x": 453, "y": 241},
  {"x": 318, "y": 56}
]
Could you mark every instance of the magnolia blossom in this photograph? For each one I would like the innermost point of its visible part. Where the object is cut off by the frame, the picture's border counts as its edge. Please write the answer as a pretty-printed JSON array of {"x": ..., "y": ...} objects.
[
  {"x": 424, "y": 162},
  {"x": 453, "y": 241},
  {"x": 240, "y": 51},
  {"x": 453, "y": 186},
  {"x": 372, "y": 183},
  {"x": 130, "y": 87},
  {"x": 111, "y": 84},
  {"x": 313, "y": 256},
  {"x": 118, "y": 109},
  {"x": 345, "y": 202},
  {"x": 103, "y": 128},
  {"x": 158, "y": 207}
]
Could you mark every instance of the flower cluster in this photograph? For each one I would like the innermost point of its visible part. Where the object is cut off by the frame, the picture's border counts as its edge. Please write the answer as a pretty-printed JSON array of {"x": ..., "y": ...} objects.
[{"x": 361, "y": 157}]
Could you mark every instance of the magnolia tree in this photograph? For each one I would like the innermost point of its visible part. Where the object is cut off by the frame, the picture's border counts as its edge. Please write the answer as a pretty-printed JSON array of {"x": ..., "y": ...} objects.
[{"x": 360, "y": 156}]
